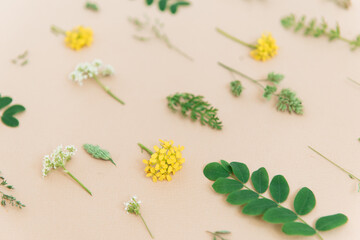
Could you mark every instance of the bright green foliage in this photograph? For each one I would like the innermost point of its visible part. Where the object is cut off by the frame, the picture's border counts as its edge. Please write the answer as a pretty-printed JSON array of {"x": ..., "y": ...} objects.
[
  {"x": 236, "y": 88},
  {"x": 171, "y": 5},
  {"x": 304, "y": 201},
  {"x": 255, "y": 204},
  {"x": 288, "y": 101},
  {"x": 92, "y": 6},
  {"x": 8, "y": 199},
  {"x": 98, "y": 153},
  {"x": 269, "y": 91},
  {"x": 330, "y": 222},
  {"x": 275, "y": 77},
  {"x": 8, "y": 115},
  {"x": 197, "y": 107},
  {"x": 317, "y": 30}
]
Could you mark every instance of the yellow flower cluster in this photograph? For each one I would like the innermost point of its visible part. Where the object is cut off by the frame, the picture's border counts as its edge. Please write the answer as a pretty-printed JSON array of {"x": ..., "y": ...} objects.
[
  {"x": 79, "y": 37},
  {"x": 266, "y": 48},
  {"x": 165, "y": 161}
]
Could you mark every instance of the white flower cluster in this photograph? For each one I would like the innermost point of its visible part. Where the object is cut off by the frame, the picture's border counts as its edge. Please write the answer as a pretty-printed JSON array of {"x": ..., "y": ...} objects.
[
  {"x": 90, "y": 70},
  {"x": 133, "y": 206},
  {"x": 58, "y": 158}
]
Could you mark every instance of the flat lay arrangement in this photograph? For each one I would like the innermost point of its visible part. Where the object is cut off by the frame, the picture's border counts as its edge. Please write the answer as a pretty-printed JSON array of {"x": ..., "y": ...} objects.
[{"x": 190, "y": 84}]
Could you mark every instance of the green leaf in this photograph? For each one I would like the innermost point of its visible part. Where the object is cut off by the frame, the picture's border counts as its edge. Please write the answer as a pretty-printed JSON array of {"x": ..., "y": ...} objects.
[
  {"x": 223, "y": 232},
  {"x": 279, "y": 215},
  {"x": 215, "y": 170},
  {"x": 241, "y": 197},
  {"x": 258, "y": 206},
  {"x": 10, "y": 121},
  {"x": 279, "y": 188},
  {"x": 11, "y": 111},
  {"x": 304, "y": 201},
  {"x": 98, "y": 153},
  {"x": 241, "y": 171},
  {"x": 330, "y": 222},
  {"x": 298, "y": 228},
  {"x": 174, "y": 7},
  {"x": 226, "y": 165},
  {"x": 162, "y": 5},
  {"x": 225, "y": 185},
  {"x": 260, "y": 180},
  {"x": 149, "y": 2},
  {"x": 4, "y": 101}
]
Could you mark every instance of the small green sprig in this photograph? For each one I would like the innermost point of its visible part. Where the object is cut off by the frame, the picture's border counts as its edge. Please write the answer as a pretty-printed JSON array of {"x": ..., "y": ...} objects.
[
  {"x": 154, "y": 31},
  {"x": 352, "y": 176},
  {"x": 231, "y": 178},
  {"x": 312, "y": 28},
  {"x": 92, "y": 6},
  {"x": 98, "y": 153},
  {"x": 188, "y": 103},
  {"x": 218, "y": 234},
  {"x": 21, "y": 59},
  {"x": 236, "y": 87},
  {"x": 343, "y": 3},
  {"x": 8, "y": 115},
  {"x": 287, "y": 99},
  {"x": 8, "y": 199},
  {"x": 171, "y": 5}
]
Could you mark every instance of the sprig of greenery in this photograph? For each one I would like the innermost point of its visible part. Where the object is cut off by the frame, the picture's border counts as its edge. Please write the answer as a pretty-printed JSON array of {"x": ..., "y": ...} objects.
[
  {"x": 230, "y": 178},
  {"x": 343, "y": 3},
  {"x": 287, "y": 99},
  {"x": 352, "y": 176},
  {"x": 8, "y": 115},
  {"x": 154, "y": 31},
  {"x": 317, "y": 30},
  {"x": 171, "y": 5},
  {"x": 8, "y": 199},
  {"x": 218, "y": 234},
  {"x": 236, "y": 87},
  {"x": 196, "y": 107},
  {"x": 21, "y": 59},
  {"x": 98, "y": 153},
  {"x": 92, "y": 6}
]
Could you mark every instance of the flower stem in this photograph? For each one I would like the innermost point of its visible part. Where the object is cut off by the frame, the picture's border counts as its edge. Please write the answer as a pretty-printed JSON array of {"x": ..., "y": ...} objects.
[
  {"x": 108, "y": 90},
  {"x": 235, "y": 39},
  {"x": 145, "y": 148},
  {"x": 56, "y": 30},
  {"x": 146, "y": 226},
  {"x": 77, "y": 180},
  {"x": 241, "y": 74}
]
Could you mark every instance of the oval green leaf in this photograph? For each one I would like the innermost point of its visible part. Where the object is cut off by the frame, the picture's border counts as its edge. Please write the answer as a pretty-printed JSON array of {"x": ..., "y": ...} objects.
[
  {"x": 162, "y": 5},
  {"x": 225, "y": 185},
  {"x": 258, "y": 206},
  {"x": 241, "y": 171},
  {"x": 304, "y": 201},
  {"x": 279, "y": 188},
  {"x": 260, "y": 180},
  {"x": 10, "y": 121},
  {"x": 330, "y": 222},
  {"x": 226, "y": 165},
  {"x": 11, "y": 111},
  {"x": 279, "y": 215},
  {"x": 215, "y": 170},
  {"x": 149, "y": 2},
  {"x": 241, "y": 197},
  {"x": 298, "y": 228},
  {"x": 4, "y": 101}
]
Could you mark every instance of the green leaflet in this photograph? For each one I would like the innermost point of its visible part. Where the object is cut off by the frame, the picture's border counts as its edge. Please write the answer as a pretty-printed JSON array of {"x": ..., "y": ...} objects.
[
  {"x": 236, "y": 88},
  {"x": 279, "y": 188},
  {"x": 304, "y": 201},
  {"x": 8, "y": 115},
  {"x": 98, "y": 153},
  {"x": 6, "y": 199},
  {"x": 4, "y": 101},
  {"x": 330, "y": 222},
  {"x": 257, "y": 204},
  {"x": 171, "y": 5},
  {"x": 298, "y": 228},
  {"x": 279, "y": 215}
]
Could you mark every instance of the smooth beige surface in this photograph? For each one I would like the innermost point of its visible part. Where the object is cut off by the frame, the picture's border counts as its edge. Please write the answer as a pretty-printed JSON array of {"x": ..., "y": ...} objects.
[{"x": 61, "y": 112}]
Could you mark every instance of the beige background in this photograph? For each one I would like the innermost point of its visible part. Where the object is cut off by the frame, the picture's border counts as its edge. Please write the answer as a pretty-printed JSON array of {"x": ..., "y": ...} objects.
[{"x": 61, "y": 112}]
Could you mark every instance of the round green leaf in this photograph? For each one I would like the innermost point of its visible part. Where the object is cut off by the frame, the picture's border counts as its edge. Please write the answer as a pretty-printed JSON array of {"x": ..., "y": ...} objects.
[
  {"x": 241, "y": 171},
  {"x": 225, "y": 185},
  {"x": 298, "y": 228},
  {"x": 258, "y": 206},
  {"x": 241, "y": 197},
  {"x": 149, "y": 2},
  {"x": 279, "y": 215},
  {"x": 226, "y": 165},
  {"x": 10, "y": 121},
  {"x": 279, "y": 188},
  {"x": 11, "y": 111},
  {"x": 304, "y": 201},
  {"x": 162, "y": 5},
  {"x": 330, "y": 222},
  {"x": 260, "y": 180},
  {"x": 4, "y": 101},
  {"x": 215, "y": 170}
]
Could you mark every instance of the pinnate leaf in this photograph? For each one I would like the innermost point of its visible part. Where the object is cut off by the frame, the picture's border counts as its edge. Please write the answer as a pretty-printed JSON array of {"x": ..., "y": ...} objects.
[
  {"x": 258, "y": 206},
  {"x": 298, "y": 228},
  {"x": 304, "y": 201},
  {"x": 279, "y": 215},
  {"x": 279, "y": 188},
  {"x": 225, "y": 185},
  {"x": 241, "y": 171},
  {"x": 241, "y": 197},
  {"x": 330, "y": 222},
  {"x": 260, "y": 180},
  {"x": 215, "y": 170}
]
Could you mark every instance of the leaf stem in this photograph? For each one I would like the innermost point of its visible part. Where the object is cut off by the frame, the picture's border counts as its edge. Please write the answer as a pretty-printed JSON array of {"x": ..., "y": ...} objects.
[
  {"x": 56, "y": 30},
  {"x": 112, "y": 161},
  {"x": 145, "y": 148},
  {"x": 146, "y": 226},
  {"x": 77, "y": 180},
  {"x": 235, "y": 39},
  {"x": 108, "y": 90},
  {"x": 353, "y": 81}
]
